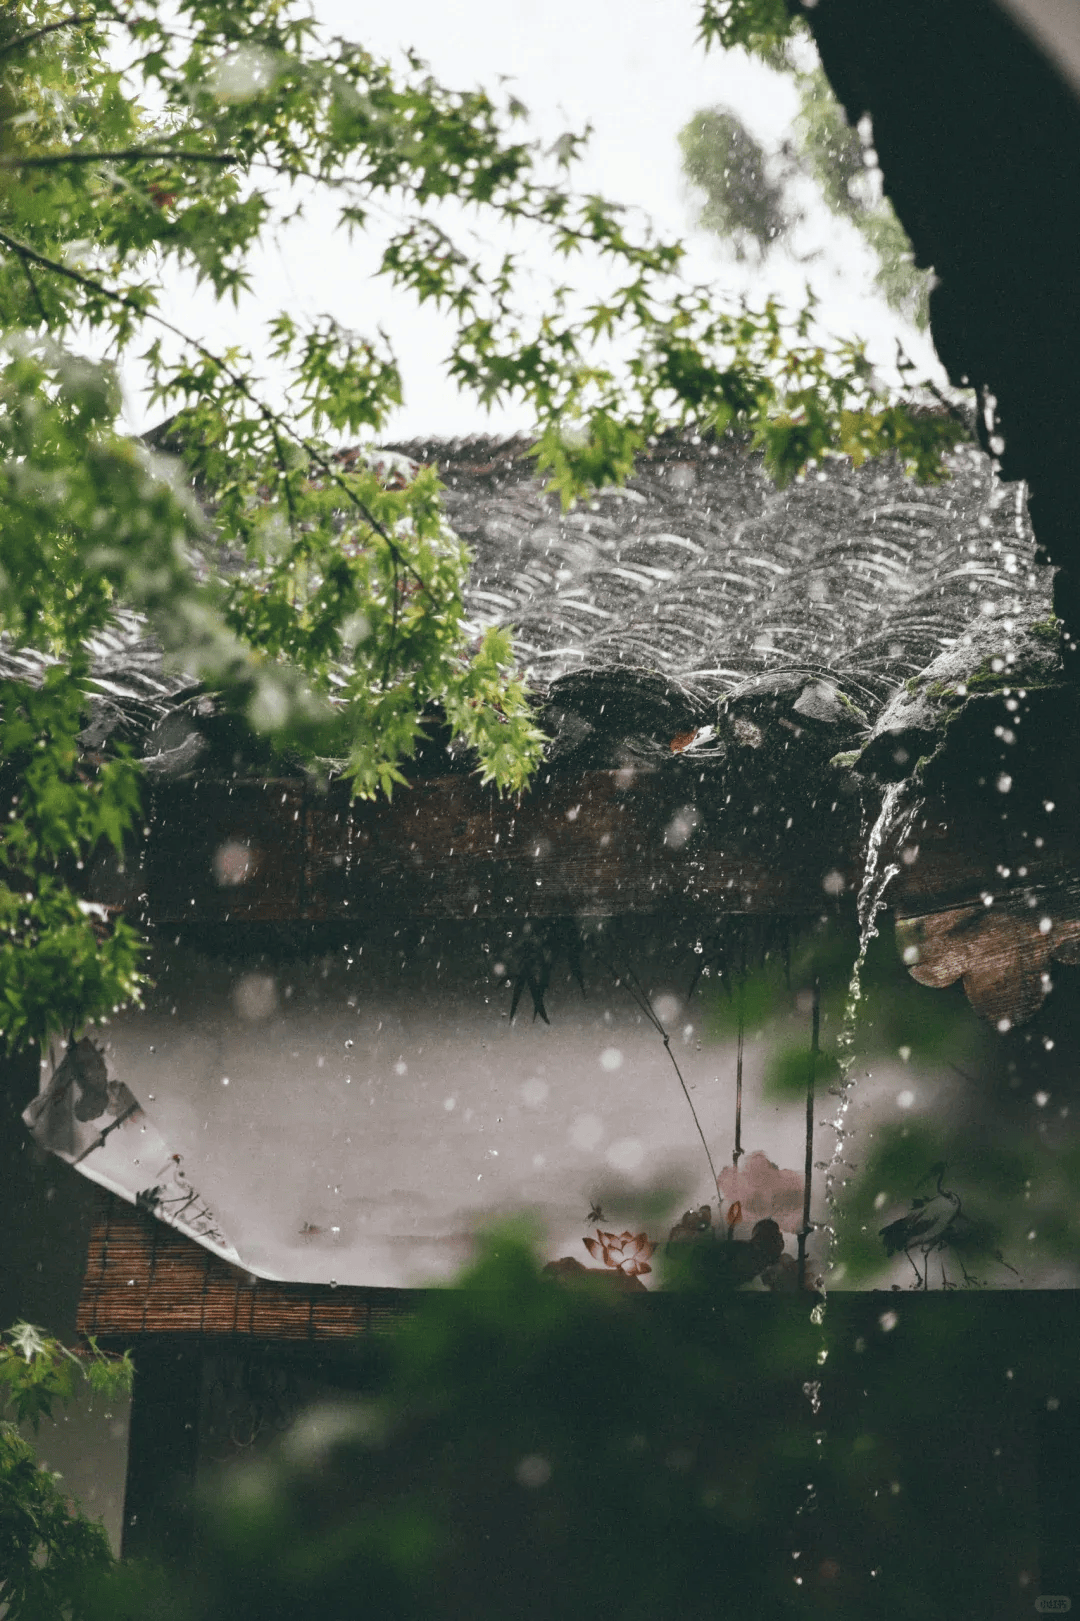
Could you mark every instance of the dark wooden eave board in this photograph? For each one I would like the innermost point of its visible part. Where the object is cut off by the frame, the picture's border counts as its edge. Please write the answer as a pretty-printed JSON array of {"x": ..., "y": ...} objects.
[
  {"x": 602, "y": 843},
  {"x": 987, "y": 885},
  {"x": 990, "y": 849},
  {"x": 606, "y": 843}
]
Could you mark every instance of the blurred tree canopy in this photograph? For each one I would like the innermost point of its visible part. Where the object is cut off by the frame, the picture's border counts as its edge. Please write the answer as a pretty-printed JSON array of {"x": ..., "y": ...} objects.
[
  {"x": 743, "y": 202},
  {"x": 136, "y": 144},
  {"x": 523, "y": 1447},
  {"x": 750, "y": 194}
]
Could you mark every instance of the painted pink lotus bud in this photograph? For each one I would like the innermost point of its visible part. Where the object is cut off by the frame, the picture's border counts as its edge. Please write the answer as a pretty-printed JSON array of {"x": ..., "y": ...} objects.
[
  {"x": 763, "y": 1190},
  {"x": 626, "y": 1252}
]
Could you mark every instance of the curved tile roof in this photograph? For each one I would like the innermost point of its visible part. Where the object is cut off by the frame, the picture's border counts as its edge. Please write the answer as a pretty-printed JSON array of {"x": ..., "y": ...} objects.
[
  {"x": 702, "y": 570},
  {"x": 699, "y": 570}
]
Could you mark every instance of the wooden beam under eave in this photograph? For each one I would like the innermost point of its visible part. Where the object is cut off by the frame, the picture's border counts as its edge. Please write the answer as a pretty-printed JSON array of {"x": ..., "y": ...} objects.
[
  {"x": 958, "y": 852},
  {"x": 602, "y": 843}
]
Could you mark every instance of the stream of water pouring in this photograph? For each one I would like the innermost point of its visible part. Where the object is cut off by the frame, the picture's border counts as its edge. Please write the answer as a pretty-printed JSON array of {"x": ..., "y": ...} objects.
[{"x": 893, "y": 823}]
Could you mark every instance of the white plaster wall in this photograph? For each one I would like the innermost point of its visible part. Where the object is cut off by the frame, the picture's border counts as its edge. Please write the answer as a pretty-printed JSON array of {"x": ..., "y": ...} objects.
[{"x": 358, "y": 1122}]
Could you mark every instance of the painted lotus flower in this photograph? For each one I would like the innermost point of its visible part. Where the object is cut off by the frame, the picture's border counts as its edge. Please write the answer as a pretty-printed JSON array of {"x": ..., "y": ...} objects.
[
  {"x": 626, "y": 1252},
  {"x": 761, "y": 1189}
]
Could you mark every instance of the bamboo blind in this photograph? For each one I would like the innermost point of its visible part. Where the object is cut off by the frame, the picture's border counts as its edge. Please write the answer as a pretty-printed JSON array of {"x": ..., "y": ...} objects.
[{"x": 143, "y": 1277}]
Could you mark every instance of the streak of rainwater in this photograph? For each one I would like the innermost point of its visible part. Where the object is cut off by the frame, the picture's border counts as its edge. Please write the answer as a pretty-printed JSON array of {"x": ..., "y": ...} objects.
[{"x": 894, "y": 821}]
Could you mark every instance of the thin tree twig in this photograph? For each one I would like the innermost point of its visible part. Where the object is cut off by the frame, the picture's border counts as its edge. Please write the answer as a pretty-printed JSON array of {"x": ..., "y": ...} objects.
[
  {"x": 290, "y": 498},
  {"x": 737, "y": 1155},
  {"x": 76, "y": 20},
  {"x": 738, "y": 1150},
  {"x": 273, "y": 419},
  {"x": 905, "y": 364},
  {"x": 641, "y": 999},
  {"x": 42, "y": 311},
  {"x": 57, "y": 160}
]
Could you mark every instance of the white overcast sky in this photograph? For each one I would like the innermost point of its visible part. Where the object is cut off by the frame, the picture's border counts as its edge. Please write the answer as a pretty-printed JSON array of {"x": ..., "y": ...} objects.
[{"x": 630, "y": 68}]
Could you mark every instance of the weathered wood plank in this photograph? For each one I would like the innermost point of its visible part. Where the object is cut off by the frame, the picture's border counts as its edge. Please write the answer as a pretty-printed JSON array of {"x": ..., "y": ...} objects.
[
  {"x": 958, "y": 853},
  {"x": 229, "y": 850},
  {"x": 989, "y": 894},
  {"x": 1003, "y": 957},
  {"x": 603, "y": 843},
  {"x": 145, "y": 1278}
]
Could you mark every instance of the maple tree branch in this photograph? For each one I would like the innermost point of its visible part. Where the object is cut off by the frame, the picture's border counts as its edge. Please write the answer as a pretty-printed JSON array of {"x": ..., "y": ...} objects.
[
  {"x": 272, "y": 419},
  {"x": 42, "y": 311},
  {"x": 76, "y": 20},
  {"x": 56, "y": 160}
]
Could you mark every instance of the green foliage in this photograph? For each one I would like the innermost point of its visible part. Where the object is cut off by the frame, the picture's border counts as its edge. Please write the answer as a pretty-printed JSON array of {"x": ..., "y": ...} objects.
[
  {"x": 50, "y": 1553},
  {"x": 542, "y": 1449},
  {"x": 1048, "y": 630},
  {"x": 762, "y": 27},
  {"x": 787, "y": 1072},
  {"x": 834, "y": 154},
  {"x": 36, "y": 1371},
  {"x": 1005, "y": 1189},
  {"x": 748, "y": 196},
  {"x": 534, "y": 1450},
  {"x": 59, "y": 959},
  {"x": 894, "y": 1012},
  {"x": 751, "y": 1000}
]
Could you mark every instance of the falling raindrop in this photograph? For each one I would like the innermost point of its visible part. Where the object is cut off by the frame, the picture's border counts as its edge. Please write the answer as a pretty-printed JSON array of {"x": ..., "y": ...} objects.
[
  {"x": 586, "y": 1132},
  {"x": 533, "y": 1471}
]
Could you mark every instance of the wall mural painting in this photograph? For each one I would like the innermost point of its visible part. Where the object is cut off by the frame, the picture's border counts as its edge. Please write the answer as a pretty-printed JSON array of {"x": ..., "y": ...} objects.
[
  {"x": 652, "y": 1095},
  {"x": 97, "y": 1125}
]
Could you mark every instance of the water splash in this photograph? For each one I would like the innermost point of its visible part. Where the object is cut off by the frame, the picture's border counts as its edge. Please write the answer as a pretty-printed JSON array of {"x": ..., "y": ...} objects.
[{"x": 893, "y": 823}]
